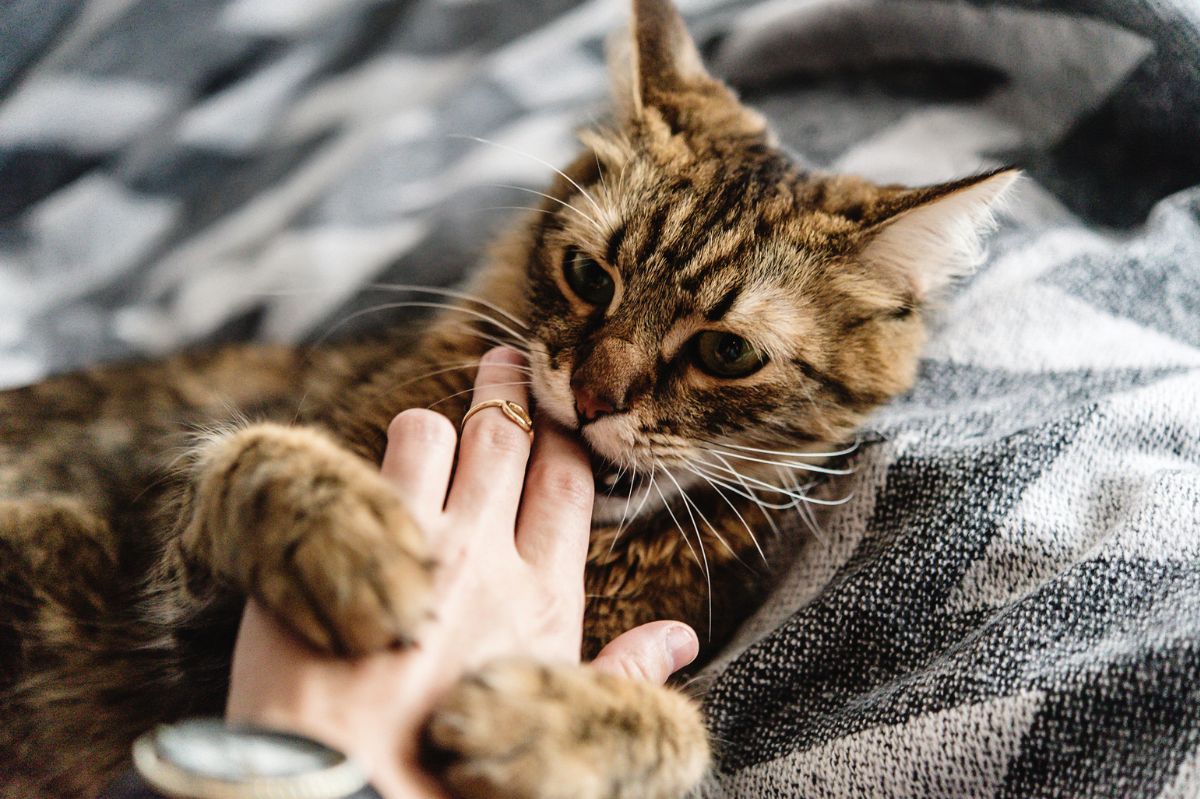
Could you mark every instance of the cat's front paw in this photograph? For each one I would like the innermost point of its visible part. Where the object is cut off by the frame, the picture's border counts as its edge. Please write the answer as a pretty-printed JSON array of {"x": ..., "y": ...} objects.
[
  {"x": 318, "y": 537},
  {"x": 347, "y": 582},
  {"x": 523, "y": 730}
]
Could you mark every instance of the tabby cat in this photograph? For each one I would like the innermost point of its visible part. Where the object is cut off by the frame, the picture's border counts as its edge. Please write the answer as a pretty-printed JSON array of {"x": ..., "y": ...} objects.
[{"x": 706, "y": 314}]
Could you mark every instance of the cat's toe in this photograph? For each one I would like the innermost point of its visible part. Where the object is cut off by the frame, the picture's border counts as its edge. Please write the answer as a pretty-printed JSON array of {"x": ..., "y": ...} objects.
[
  {"x": 522, "y": 730},
  {"x": 354, "y": 581}
]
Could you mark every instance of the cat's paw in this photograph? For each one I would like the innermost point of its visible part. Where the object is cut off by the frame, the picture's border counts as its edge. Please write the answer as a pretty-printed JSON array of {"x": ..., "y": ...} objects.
[
  {"x": 317, "y": 537},
  {"x": 523, "y": 730},
  {"x": 348, "y": 581}
]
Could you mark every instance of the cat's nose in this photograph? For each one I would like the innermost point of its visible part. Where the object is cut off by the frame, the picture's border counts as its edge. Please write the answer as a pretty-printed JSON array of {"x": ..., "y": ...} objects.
[
  {"x": 609, "y": 377},
  {"x": 590, "y": 405}
]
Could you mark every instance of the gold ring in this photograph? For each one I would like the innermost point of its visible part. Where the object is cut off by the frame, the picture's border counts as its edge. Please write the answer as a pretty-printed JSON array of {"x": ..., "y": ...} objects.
[{"x": 515, "y": 413}]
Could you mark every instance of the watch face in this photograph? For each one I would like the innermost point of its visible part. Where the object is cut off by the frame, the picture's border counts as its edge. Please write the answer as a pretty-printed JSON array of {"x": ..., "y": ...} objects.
[{"x": 207, "y": 748}]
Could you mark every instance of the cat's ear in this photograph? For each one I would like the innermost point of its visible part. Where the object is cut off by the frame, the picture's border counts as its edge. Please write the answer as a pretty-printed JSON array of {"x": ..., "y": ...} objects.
[
  {"x": 932, "y": 235},
  {"x": 655, "y": 65},
  {"x": 663, "y": 57}
]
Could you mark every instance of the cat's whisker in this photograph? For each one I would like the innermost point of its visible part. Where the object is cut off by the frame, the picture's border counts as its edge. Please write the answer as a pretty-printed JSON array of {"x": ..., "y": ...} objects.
[
  {"x": 633, "y": 478},
  {"x": 469, "y": 390},
  {"x": 591, "y": 221},
  {"x": 350, "y": 318},
  {"x": 763, "y": 506},
  {"x": 779, "y": 489},
  {"x": 781, "y": 453},
  {"x": 496, "y": 340},
  {"x": 389, "y": 306},
  {"x": 458, "y": 367},
  {"x": 742, "y": 479},
  {"x": 827, "y": 502},
  {"x": 600, "y": 172},
  {"x": 805, "y": 512},
  {"x": 547, "y": 164},
  {"x": 806, "y": 467},
  {"x": 617, "y": 479},
  {"x": 796, "y": 498},
  {"x": 688, "y": 501},
  {"x": 469, "y": 329},
  {"x": 456, "y": 294},
  {"x": 625, "y": 513},
  {"x": 645, "y": 497},
  {"x": 513, "y": 208},
  {"x": 736, "y": 512},
  {"x": 466, "y": 329},
  {"x": 521, "y": 337},
  {"x": 703, "y": 554},
  {"x": 594, "y": 124},
  {"x": 300, "y": 405}
]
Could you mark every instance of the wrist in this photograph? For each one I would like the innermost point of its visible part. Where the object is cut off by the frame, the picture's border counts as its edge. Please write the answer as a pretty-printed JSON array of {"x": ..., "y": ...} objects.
[
  {"x": 370, "y": 708},
  {"x": 328, "y": 710}
]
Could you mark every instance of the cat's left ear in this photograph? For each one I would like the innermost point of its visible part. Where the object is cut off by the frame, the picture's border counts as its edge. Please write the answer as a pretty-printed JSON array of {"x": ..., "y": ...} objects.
[
  {"x": 932, "y": 235},
  {"x": 657, "y": 68}
]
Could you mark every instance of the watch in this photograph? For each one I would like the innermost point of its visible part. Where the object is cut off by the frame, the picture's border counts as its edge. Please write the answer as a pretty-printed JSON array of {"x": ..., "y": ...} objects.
[{"x": 207, "y": 759}]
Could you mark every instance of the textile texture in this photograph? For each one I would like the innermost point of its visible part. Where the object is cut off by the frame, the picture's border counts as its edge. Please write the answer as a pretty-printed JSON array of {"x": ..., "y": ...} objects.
[{"x": 1009, "y": 603}]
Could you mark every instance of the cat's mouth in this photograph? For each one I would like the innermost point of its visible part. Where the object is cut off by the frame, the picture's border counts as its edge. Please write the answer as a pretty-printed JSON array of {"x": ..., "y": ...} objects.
[{"x": 620, "y": 491}]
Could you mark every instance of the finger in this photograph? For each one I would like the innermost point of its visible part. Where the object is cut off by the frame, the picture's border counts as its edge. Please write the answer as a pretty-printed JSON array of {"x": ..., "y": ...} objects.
[
  {"x": 493, "y": 450},
  {"x": 418, "y": 460},
  {"x": 556, "y": 511},
  {"x": 652, "y": 652}
]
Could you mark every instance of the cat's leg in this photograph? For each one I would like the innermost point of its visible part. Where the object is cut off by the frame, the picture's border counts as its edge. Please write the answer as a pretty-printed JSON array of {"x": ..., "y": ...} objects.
[
  {"x": 524, "y": 730},
  {"x": 310, "y": 530}
]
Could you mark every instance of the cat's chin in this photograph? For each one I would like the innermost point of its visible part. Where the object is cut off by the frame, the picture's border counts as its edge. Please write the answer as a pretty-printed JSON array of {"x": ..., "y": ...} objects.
[
  {"x": 611, "y": 508},
  {"x": 623, "y": 495}
]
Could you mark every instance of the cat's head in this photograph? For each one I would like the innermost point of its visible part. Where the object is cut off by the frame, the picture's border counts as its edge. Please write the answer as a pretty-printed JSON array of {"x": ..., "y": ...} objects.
[{"x": 698, "y": 301}]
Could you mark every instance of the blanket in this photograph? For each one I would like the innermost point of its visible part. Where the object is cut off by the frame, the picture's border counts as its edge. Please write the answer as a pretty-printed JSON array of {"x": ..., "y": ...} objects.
[{"x": 1009, "y": 603}]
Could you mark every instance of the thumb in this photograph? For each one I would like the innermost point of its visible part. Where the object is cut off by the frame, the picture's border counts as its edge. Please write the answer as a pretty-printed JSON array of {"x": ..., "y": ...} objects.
[{"x": 651, "y": 652}]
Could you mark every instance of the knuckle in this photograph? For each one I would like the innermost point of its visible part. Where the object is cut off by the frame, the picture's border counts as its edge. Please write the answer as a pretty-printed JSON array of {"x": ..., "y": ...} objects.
[
  {"x": 573, "y": 487},
  {"x": 638, "y": 665},
  {"x": 419, "y": 424},
  {"x": 498, "y": 434}
]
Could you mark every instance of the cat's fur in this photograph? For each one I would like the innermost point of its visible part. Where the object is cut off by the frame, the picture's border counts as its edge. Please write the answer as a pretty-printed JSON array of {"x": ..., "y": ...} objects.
[{"x": 121, "y": 582}]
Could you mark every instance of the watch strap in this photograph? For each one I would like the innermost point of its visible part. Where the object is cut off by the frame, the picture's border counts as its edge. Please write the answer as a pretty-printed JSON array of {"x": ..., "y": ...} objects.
[
  {"x": 340, "y": 779},
  {"x": 130, "y": 785}
]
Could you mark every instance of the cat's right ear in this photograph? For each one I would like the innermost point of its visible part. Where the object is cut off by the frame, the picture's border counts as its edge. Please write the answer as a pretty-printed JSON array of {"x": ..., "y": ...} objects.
[{"x": 656, "y": 67}]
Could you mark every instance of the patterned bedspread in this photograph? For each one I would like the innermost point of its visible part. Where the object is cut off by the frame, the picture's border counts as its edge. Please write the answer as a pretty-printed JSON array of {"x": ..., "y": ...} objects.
[{"x": 1010, "y": 603}]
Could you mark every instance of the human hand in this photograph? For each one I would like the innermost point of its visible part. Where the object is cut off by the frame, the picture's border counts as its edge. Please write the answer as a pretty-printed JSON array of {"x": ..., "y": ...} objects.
[{"x": 509, "y": 583}]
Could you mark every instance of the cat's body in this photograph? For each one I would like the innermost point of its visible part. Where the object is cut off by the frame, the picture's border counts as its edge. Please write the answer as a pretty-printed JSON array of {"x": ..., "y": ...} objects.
[
  {"x": 99, "y": 644},
  {"x": 688, "y": 299}
]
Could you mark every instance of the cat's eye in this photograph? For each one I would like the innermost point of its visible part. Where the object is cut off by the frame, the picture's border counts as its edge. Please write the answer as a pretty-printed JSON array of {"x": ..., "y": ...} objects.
[
  {"x": 726, "y": 355},
  {"x": 588, "y": 279}
]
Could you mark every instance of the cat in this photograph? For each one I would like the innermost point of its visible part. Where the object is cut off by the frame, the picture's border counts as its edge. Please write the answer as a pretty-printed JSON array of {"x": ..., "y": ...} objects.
[{"x": 709, "y": 316}]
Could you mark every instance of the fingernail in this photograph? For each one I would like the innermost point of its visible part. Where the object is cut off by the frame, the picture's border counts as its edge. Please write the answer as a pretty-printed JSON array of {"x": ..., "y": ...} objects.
[{"x": 683, "y": 644}]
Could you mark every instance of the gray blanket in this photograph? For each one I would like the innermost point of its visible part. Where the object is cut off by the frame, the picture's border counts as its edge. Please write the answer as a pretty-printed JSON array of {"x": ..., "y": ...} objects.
[{"x": 1010, "y": 603}]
